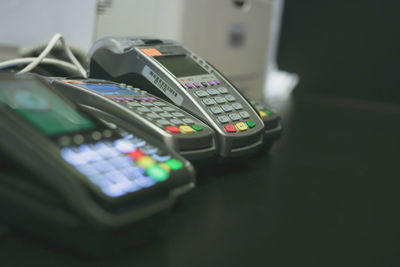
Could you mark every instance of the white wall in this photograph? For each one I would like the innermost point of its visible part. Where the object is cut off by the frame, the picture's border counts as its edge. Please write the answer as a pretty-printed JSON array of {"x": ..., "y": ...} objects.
[{"x": 31, "y": 22}]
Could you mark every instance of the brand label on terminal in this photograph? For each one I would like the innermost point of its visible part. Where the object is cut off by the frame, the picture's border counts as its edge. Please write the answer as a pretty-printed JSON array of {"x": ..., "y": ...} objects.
[{"x": 162, "y": 85}]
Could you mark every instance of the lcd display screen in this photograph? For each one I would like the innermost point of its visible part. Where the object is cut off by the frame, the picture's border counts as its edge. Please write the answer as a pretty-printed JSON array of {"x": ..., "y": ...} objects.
[
  {"x": 42, "y": 108},
  {"x": 181, "y": 66},
  {"x": 108, "y": 89}
]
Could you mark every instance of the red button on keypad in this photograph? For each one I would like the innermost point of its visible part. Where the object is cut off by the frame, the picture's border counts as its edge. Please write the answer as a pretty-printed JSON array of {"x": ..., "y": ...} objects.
[
  {"x": 136, "y": 154},
  {"x": 230, "y": 128},
  {"x": 173, "y": 129}
]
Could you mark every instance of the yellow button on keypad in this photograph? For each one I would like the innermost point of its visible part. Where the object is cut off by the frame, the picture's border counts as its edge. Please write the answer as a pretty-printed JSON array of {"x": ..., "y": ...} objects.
[
  {"x": 241, "y": 126},
  {"x": 145, "y": 161},
  {"x": 262, "y": 114},
  {"x": 165, "y": 167},
  {"x": 186, "y": 129}
]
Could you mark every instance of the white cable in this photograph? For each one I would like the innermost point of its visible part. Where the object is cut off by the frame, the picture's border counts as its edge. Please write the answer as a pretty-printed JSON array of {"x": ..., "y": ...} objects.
[
  {"x": 42, "y": 55},
  {"x": 73, "y": 58},
  {"x": 27, "y": 60},
  {"x": 57, "y": 37}
]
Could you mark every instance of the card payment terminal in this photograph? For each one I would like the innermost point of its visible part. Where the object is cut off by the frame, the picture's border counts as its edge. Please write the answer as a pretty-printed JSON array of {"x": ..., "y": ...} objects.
[
  {"x": 167, "y": 69},
  {"x": 179, "y": 130},
  {"x": 272, "y": 122},
  {"x": 102, "y": 176}
]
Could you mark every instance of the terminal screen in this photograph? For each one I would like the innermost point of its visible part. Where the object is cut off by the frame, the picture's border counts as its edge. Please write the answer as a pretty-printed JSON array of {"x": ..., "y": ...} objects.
[
  {"x": 45, "y": 110},
  {"x": 108, "y": 89},
  {"x": 181, "y": 66}
]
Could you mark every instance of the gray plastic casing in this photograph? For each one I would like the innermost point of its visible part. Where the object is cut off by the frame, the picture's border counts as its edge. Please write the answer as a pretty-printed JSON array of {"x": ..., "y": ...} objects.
[
  {"x": 119, "y": 56},
  {"x": 196, "y": 146},
  {"x": 32, "y": 149}
]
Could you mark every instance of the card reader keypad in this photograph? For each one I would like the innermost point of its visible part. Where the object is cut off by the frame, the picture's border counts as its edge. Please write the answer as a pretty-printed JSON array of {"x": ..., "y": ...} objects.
[
  {"x": 164, "y": 115},
  {"x": 224, "y": 106},
  {"x": 121, "y": 166}
]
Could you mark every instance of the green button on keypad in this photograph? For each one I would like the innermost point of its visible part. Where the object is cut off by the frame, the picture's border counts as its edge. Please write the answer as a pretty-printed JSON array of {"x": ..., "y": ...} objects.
[
  {"x": 269, "y": 112},
  {"x": 251, "y": 123},
  {"x": 157, "y": 173},
  {"x": 174, "y": 164},
  {"x": 197, "y": 128}
]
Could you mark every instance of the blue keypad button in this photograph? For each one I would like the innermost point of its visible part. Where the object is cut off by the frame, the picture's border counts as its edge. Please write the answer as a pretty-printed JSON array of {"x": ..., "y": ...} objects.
[
  {"x": 237, "y": 106},
  {"x": 178, "y": 114},
  {"x": 230, "y": 98},
  {"x": 100, "y": 180},
  {"x": 143, "y": 109},
  {"x": 168, "y": 109},
  {"x": 72, "y": 157},
  {"x": 156, "y": 109},
  {"x": 116, "y": 177},
  {"x": 121, "y": 162},
  {"x": 82, "y": 148},
  {"x": 219, "y": 99},
  {"x": 114, "y": 190},
  {"x": 188, "y": 121},
  {"x": 134, "y": 104},
  {"x": 176, "y": 121},
  {"x": 201, "y": 93},
  {"x": 159, "y": 104},
  {"x": 145, "y": 181},
  {"x": 101, "y": 145},
  {"x": 103, "y": 166},
  {"x": 244, "y": 114},
  {"x": 138, "y": 142},
  {"x": 234, "y": 116},
  {"x": 223, "y": 90},
  {"x": 107, "y": 152},
  {"x": 146, "y": 104},
  {"x": 212, "y": 91},
  {"x": 165, "y": 115},
  {"x": 124, "y": 146},
  {"x": 227, "y": 108},
  {"x": 216, "y": 110},
  {"x": 163, "y": 122},
  {"x": 149, "y": 149},
  {"x": 161, "y": 157},
  {"x": 208, "y": 101},
  {"x": 133, "y": 172},
  {"x": 89, "y": 154},
  {"x": 223, "y": 119},
  {"x": 153, "y": 115},
  {"x": 87, "y": 169},
  {"x": 128, "y": 136}
]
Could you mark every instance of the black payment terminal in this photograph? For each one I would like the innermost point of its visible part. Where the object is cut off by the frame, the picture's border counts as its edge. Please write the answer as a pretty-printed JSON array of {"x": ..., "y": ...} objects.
[
  {"x": 102, "y": 176},
  {"x": 272, "y": 122},
  {"x": 167, "y": 69},
  {"x": 179, "y": 130}
]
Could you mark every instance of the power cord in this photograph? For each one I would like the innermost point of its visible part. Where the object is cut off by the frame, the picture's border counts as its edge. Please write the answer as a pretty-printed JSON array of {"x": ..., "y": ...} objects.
[
  {"x": 26, "y": 60},
  {"x": 34, "y": 62}
]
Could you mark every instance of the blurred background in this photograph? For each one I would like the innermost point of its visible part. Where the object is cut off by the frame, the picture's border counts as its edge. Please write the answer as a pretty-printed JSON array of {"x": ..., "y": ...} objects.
[
  {"x": 343, "y": 48},
  {"x": 337, "y": 48},
  {"x": 239, "y": 37}
]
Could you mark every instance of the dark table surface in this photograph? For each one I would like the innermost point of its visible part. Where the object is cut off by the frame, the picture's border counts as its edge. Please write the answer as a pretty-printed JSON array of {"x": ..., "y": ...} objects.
[{"x": 325, "y": 195}]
